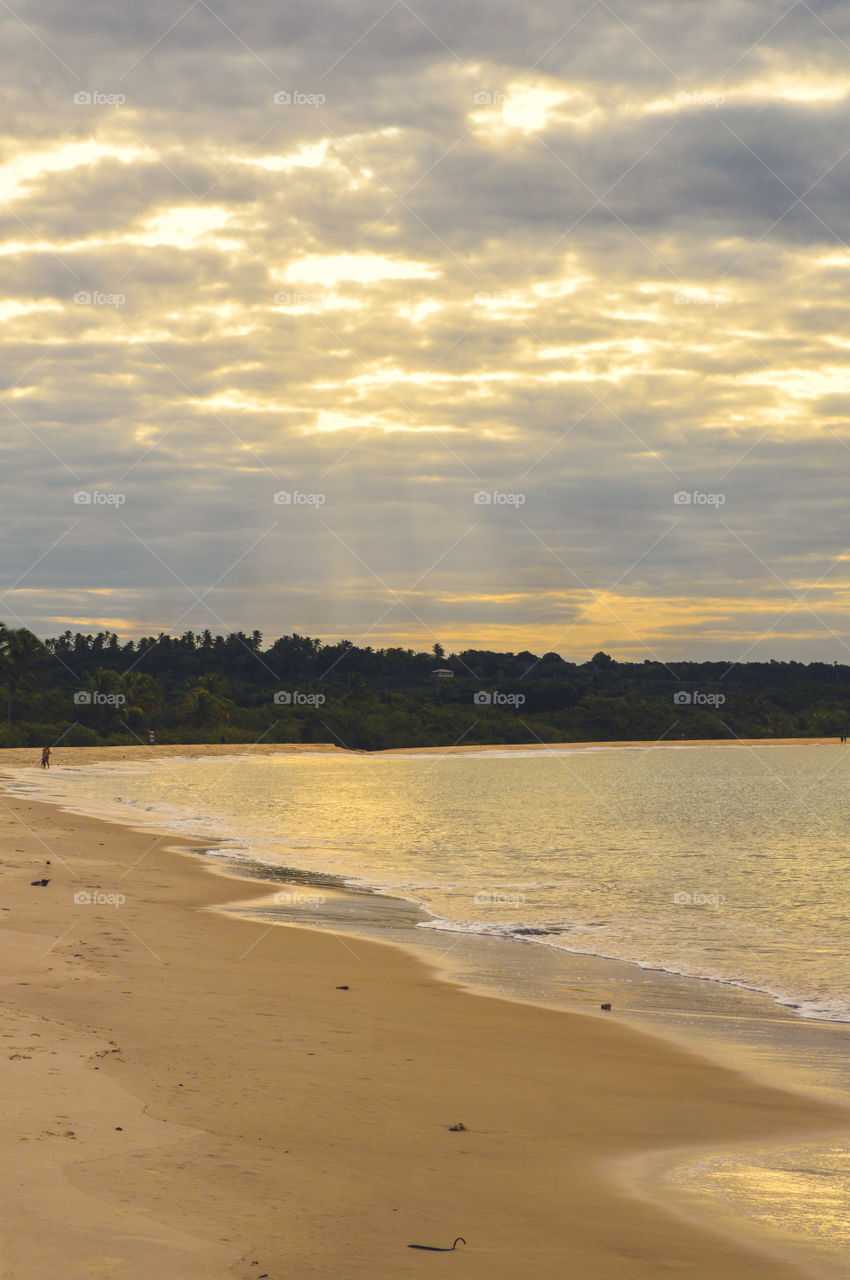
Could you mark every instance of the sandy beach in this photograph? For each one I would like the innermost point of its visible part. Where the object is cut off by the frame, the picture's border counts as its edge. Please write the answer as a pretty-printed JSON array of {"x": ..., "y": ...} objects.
[
  {"x": 193, "y": 1094},
  {"x": 25, "y": 757}
]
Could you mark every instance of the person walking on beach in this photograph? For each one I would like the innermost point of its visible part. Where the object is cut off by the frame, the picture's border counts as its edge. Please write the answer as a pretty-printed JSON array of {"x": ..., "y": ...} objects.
[{"x": 45, "y": 757}]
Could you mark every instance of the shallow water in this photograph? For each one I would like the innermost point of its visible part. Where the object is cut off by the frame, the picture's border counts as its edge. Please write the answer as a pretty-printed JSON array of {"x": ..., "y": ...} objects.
[{"x": 729, "y": 863}]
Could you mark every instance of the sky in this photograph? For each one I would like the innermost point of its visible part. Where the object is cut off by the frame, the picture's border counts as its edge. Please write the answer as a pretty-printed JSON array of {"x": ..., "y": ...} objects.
[{"x": 504, "y": 326}]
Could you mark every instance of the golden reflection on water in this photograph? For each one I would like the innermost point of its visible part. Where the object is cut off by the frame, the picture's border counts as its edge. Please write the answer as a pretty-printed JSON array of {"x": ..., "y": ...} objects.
[
  {"x": 720, "y": 862},
  {"x": 800, "y": 1195}
]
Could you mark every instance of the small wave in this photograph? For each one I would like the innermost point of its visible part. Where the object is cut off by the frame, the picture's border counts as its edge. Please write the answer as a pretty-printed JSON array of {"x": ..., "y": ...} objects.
[
  {"x": 244, "y": 838},
  {"x": 563, "y": 936}
]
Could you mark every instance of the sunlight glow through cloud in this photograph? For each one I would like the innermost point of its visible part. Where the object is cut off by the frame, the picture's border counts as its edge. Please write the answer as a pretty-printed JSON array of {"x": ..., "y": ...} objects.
[
  {"x": 185, "y": 226},
  {"x": 26, "y": 167},
  {"x": 362, "y": 268}
]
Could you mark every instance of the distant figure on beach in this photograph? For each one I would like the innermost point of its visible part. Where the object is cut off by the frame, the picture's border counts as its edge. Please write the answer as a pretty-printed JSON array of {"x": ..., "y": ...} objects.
[
  {"x": 45, "y": 757},
  {"x": 844, "y": 739}
]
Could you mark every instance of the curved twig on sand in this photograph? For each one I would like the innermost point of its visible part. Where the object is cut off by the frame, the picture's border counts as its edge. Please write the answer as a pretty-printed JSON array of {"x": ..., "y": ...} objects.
[{"x": 438, "y": 1248}]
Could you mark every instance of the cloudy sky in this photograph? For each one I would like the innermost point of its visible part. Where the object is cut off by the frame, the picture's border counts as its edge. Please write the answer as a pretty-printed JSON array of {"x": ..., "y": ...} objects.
[{"x": 509, "y": 326}]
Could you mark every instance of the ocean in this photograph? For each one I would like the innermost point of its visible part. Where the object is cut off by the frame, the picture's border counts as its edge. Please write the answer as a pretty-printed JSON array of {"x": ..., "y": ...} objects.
[{"x": 703, "y": 890}]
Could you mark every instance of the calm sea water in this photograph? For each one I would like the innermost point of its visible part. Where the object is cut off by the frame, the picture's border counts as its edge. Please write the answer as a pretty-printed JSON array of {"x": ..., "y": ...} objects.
[
  {"x": 722, "y": 863},
  {"x": 732, "y": 864}
]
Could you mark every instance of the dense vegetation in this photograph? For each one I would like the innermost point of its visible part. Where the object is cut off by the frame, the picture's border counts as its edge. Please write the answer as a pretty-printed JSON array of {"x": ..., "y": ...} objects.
[{"x": 81, "y": 690}]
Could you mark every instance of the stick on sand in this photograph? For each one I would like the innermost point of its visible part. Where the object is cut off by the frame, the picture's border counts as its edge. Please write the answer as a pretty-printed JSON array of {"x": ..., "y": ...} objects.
[{"x": 438, "y": 1248}]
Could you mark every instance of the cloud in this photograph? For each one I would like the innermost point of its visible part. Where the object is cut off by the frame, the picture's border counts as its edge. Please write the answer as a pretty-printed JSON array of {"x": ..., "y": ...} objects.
[{"x": 590, "y": 257}]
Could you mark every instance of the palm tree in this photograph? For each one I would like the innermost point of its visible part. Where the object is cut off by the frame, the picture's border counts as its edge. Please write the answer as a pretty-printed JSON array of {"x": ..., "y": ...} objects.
[
  {"x": 22, "y": 659},
  {"x": 104, "y": 681},
  {"x": 827, "y": 722},
  {"x": 141, "y": 691},
  {"x": 202, "y": 706}
]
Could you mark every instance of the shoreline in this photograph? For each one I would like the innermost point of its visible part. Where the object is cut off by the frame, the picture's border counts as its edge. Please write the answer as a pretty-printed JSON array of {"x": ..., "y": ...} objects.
[
  {"x": 23, "y": 757},
  {"x": 18, "y": 759},
  {"x": 426, "y": 1054}
]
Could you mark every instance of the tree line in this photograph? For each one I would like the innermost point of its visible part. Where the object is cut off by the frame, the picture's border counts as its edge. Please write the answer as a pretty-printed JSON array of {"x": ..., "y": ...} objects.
[{"x": 89, "y": 690}]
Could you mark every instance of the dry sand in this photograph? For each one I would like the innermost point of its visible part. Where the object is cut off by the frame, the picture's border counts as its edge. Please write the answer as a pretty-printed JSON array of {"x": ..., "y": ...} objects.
[{"x": 189, "y": 1094}]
